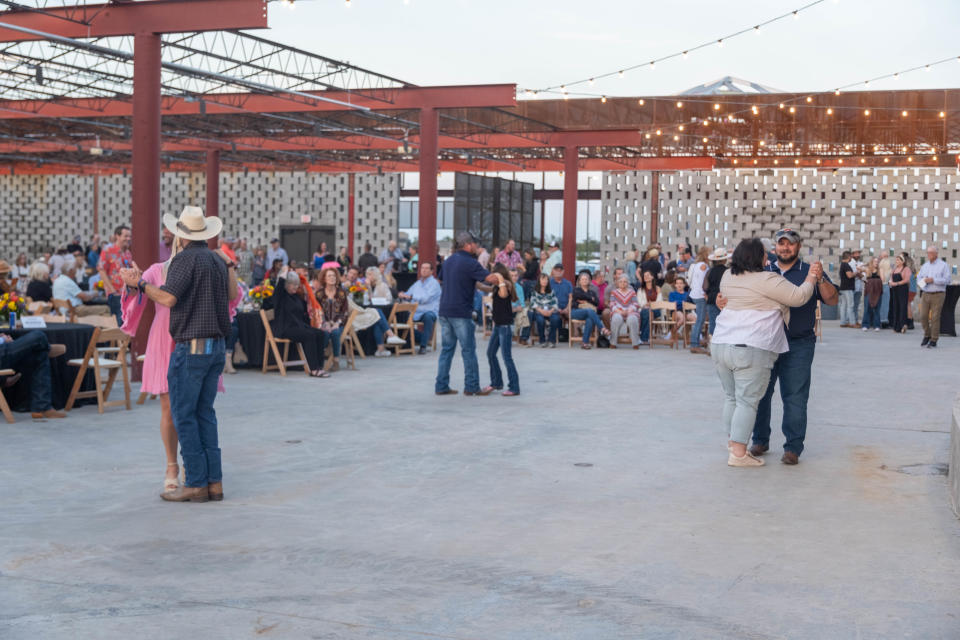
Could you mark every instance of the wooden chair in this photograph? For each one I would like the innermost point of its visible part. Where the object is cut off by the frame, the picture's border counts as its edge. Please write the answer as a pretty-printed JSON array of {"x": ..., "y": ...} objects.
[
  {"x": 817, "y": 327},
  {"x": 4, "y": 407},
  {"x": 664, "y": 325},
  {"x": 688, "y": 307},
  {"x": 349, "y": 344},
  {"x": 271, "y": 346},
  {"x": 576, "y": 331},
  {"x": 403, "y": 330},
  {"x": 100, "y": 363},
  {"x": 53, "y": 318},
  {"x": 64, "y": 308},
  {"x": 37, "y": 307},
  {"x": 104, "y": 322}
]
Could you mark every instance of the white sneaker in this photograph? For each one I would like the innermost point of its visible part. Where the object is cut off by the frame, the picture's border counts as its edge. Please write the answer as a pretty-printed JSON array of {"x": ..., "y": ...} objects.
[
  {"x": 747, "y": 460},
  {"x": 876, "y": 328},
  {"x": 395, "y": 340},
  {"x": 382, "y": 354},
  {"x": 865, "y": 328}
]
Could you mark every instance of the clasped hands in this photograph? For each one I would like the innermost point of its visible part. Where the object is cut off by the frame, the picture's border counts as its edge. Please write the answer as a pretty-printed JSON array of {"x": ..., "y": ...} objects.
[{"x": 131, "y": 275}]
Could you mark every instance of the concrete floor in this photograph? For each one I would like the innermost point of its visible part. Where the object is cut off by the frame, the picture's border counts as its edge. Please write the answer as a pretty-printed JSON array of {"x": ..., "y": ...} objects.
[{"x": 596, "y": 505}]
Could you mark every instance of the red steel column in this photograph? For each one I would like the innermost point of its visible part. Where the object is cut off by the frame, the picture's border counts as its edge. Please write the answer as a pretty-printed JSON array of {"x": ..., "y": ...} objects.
[
  {"x": 145, "y": 218},
  {"x": 569, "y": 245},
  {"x": 351, "y": 214},
  {"x": 429, "y": 163},
  {"x": 213, "y": 189}
]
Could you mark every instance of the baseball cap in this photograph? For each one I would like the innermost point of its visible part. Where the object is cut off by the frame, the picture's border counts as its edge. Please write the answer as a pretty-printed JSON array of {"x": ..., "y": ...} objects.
[{"x": 789, "y": 234}]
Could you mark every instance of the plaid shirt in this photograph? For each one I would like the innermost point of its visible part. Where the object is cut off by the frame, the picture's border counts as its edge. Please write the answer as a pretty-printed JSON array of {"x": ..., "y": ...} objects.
[
  {"x": 112, "y": 260},
  {"x": 198, "y": 278},
  {"x": 510, "y": 260}
]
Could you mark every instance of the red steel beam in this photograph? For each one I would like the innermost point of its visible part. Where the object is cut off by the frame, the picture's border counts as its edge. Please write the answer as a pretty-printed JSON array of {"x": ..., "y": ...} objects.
[
  {"x": 475, "y": 96},
  {"x": 571, "y": 168},
  {"x": 213, "y": 190},
  {"x": 429, "y": 165},
  {"x": 129, "y": 18}
]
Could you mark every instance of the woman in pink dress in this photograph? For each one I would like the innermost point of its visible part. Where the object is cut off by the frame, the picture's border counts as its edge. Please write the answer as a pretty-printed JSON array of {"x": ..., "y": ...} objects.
[{"x": 157, "y": 358}]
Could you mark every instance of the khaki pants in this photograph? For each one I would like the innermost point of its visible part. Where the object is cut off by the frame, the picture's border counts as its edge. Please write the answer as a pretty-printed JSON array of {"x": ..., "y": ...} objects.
[{"x": 930, "y": 306}]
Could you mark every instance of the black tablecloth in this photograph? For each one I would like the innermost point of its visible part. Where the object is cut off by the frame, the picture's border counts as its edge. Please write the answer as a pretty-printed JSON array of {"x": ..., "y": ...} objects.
[
  {"x": 75, "y": 337},
  {"x": 253, "y": 335},
  {"x": 947, "y": 315}
]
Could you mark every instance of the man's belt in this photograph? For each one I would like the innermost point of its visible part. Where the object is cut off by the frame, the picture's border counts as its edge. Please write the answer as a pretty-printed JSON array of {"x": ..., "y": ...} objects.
[{"x": 201, "y": 346}]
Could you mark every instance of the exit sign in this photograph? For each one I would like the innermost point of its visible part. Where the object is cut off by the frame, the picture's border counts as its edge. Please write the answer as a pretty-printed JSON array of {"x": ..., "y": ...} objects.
[{"x": 305, "y": 219}]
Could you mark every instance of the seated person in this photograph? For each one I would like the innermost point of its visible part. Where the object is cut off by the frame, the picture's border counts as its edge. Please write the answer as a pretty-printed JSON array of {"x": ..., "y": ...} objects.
[
  {"x": 543, "y": 307},
  {"x": 679, "y": 295},
  {"x": 583, "y": 306},
  {"x": 667, "y": 287},
  {"x": 647, "y": 293},
  {"x": 277, "y": 273},
  {"x": 605, "y": 295},
  {"x": 624, "y": 313},
  {"x": 39, "y": 289},
  {"x": 291, "y": 321},
  {"x": 377, "y": 286},
  {"x": 333, "y": 302},
  {"x": 426, "y": 293},
  {"x": 66, "y": 288},
  {"x": 562, "y": 287},
  {"x": 30, "y": 356},
  {"x": 519, "y": 307},
  {"x": 351, "y": 277}
]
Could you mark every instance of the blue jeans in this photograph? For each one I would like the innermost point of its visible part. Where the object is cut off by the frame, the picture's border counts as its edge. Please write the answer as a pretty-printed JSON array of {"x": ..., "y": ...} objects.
[
  {"x": 458, "y": 330},
  {"x": 847, "y": 311},
  {"x": 333, "y": 337},
  {"x": 428, "y": 318},
  {"x": 502, "y": 339},
  {"x": 645, "y": 324},
  {"x": 540, "y": 321},
  {"x": 857, "y": 296},
  {"x": 885, "y": 305},
  {"x": 113, "y": 301},
  {"x": 712, "y": 312},
  {"x": 792, "y": 369},
  {"x": 744, "y": 374},
  {"x": 29, "y": 355},
  {"x": 192, "y": 379},
  {"x": 591, "y": 320},
  {"x": 871, "y": 316},
  {"x": 701, "y": 304},
  {"x": 381, "y": 328}
]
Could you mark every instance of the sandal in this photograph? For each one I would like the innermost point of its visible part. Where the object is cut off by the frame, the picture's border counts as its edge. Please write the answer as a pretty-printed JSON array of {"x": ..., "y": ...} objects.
[
  {"x": 319, "y": 373},
  {"x": 171, "y": 484}
]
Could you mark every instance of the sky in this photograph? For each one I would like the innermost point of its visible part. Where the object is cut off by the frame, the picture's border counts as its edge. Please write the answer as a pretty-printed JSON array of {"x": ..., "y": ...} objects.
[{"x": 539, "y": 43}]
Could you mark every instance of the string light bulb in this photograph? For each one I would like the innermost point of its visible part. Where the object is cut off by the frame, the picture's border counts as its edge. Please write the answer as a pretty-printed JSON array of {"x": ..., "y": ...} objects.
[
  {"x": 762, "y": 143},
  {"x": 591, "y": 82},
  {"x": 734, "y": 141},
  {"x": 755, "y": 110},
  {"x": 796, "y": 162},
  {"x": 782, "y": 105},
  {"x": 640, "y": 102},
  {"x": 756, "y": 29},
  {"x": 943, "y": 114},
  {"x": 830, "y": 112},
  {"x": 754, "y": 161},
  {"x": 680, "y": 127},
  {"x": 647, "y": 136},
  {"x": 720, "y": 43},
  {"x": 796, "y": 14},
  {"x": 716, "y": 106},
  {"x": 620, "y": 73},
  {"x": 603, "y": 99},
  {"x": 653, "y": 64},
  {"x": 904, "y": 113},
  {"x": 836, "y": 92},
  {"x": 659, "y": 132},
  {"x": 676, "y": 138},
  {"x": 866, "y": 112},
  {"x": 706, "y": 123},
  {"x": 704, "y": 140},
  {"x": 809, "y": 99},
  {"x": 684, "y": 55},
  {"x": 679, "y": 105},
  {"x": 793, "y": 109}
]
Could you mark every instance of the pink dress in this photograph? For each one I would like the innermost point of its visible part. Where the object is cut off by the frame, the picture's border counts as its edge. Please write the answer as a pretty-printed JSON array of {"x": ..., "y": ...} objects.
[{"x": 159, "y": 342}]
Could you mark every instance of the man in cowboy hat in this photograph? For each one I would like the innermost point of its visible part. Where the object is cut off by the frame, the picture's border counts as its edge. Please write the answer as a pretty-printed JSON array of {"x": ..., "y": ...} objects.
[{"x": 199, "y": 284}]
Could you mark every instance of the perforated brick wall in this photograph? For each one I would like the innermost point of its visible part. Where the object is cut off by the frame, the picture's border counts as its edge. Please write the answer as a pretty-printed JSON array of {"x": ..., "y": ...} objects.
[
  {"x": 870, "y": 209},
  {"x": 39, "y": 212}
]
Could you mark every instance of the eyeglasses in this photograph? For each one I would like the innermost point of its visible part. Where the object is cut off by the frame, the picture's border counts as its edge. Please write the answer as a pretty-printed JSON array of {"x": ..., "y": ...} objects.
[{"x": 789, "y": 234}]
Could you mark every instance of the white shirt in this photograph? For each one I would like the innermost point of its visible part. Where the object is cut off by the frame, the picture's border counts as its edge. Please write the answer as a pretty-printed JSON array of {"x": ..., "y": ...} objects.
[
  {"x": 697, "y": 276},
  {"x": 65, "y": 288},
  {"x": 939, "y": 270},
  {"x": 752, "y": 327}
]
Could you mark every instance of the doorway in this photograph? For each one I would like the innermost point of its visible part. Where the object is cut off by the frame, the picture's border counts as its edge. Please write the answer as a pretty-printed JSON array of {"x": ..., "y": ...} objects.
[{"x": 301, "y": 241}]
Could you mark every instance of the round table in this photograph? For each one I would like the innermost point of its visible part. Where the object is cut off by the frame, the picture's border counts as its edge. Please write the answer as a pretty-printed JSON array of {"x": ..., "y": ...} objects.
[{"x": 76, "y": 338}]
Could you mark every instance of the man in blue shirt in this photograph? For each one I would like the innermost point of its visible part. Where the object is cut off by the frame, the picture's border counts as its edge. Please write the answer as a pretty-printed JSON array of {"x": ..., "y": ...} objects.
[
  {"x": 562, "y": 287},
  {"x": 792, "y": 368},
  {"x": 426, "y": 293},
  {"x": 461, "y": 274}
]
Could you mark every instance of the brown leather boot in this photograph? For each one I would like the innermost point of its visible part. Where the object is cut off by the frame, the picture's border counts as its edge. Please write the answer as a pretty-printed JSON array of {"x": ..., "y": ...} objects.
[
  {"x": 759, "y": 449},
  {"x": 187, "y": 494},
  {"x": 49, "y": 413},
  {"x": 215, "y": 490}
]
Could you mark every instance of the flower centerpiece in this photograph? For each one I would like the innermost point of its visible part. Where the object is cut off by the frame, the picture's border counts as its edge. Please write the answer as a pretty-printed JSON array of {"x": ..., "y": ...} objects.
[
  {"x": 98, "y": 285},
  {"x": 357, "y": 291},
  {"x": 11, "y": 302},
  {"x": 260, "y": 293}
]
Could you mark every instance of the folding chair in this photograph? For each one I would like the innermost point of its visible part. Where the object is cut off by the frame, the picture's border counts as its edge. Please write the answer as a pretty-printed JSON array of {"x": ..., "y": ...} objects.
[
  {"x": 104, "y": 322},
  {"x": 93, "y": 359},
  {"x": 64, "y": 308},
  {"x": 348, "y": 345},
  {"x": 53, "y": 318},
  {"x": 270, "y": 346},
  {"x": 688, "y": 307},
  {"x": 403, "y": 330},
  {"x": 432, "y": 340},
  {"x": 664, "y": 325},
  {"x": 4, "y": 407},
  {"x": 576, "y": 331}
]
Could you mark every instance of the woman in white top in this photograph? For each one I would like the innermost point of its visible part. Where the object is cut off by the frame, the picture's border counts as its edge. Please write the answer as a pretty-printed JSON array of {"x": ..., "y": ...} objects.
[
  {"x": 21, "y": 271},
  {"x": 697, "y": 274},
  {"x": 378, "y": 288},
  {"x": 749, "y": 337}
]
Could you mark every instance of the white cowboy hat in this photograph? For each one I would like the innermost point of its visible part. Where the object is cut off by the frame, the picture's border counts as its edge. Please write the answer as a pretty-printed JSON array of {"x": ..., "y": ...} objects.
[
  {"x": 719, "y": 255},
  {"x": 192, "y": 224}
]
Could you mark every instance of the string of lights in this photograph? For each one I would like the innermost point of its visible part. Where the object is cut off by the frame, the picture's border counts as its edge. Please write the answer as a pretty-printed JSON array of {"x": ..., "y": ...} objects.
[{"x": 754, "y": 28}]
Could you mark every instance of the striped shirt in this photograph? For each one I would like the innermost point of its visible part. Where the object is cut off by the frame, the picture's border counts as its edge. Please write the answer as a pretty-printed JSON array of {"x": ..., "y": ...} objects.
[{"x": 623, "y": 301}]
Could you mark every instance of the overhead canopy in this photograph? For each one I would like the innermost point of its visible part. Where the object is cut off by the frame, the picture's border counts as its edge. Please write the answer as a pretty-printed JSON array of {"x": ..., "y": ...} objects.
[{"x": 66, "y": 106}]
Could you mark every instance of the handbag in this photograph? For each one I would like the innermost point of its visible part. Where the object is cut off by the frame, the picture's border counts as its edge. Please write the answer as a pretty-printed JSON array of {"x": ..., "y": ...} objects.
[{"x": 603, "y": 342}]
